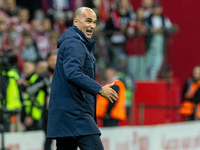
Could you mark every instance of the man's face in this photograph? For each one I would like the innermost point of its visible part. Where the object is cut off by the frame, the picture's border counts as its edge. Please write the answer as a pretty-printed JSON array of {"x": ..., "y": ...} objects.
[
  {"x": 157, "y": 11},
  {"x": 110, "y": 73},
  {"x": 1, "y": 4},
  {"x": 124, "y": 3},
  {"x": 41, "y": 67},
  {"x": 28, "y": 41},
  {"x": 23, "y": 15},
  {"x": 147, "y": 4},
  {"x": 196, "y": 73},
  {"x": 35, "y": 25},
  {"x": 86, "y": 22},
  {"x": 46, "y": 24},
  {"x": 140, "y": 13},
  {"x": 10, "y": 4},
  {"x": 2, "y": 23},
  {"x": 28, "y": 68}
]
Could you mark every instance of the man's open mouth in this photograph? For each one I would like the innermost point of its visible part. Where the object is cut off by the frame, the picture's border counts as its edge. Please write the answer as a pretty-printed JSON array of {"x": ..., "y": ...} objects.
[{"x": 89, "y": 31}]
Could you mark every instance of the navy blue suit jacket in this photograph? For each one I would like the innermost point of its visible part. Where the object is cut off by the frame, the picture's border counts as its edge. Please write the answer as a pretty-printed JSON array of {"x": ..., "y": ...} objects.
[{"x": 72, "y": 106}]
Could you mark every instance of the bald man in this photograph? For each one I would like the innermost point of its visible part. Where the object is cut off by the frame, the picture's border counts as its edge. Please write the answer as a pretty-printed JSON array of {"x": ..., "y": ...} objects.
[{"x": 72, "y": 105}]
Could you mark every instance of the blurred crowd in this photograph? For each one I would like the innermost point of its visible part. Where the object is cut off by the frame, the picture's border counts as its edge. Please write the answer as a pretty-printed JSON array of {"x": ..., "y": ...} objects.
[{"x": 133, "y": 41}]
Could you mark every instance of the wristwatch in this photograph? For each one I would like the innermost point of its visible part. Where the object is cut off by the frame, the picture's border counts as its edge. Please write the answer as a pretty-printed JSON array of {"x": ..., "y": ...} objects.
[{"x": 101, "y": 91}]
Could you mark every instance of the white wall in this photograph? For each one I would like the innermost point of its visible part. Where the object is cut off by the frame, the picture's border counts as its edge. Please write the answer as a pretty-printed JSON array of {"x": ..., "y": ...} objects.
[{"x": 180, "y": 136}]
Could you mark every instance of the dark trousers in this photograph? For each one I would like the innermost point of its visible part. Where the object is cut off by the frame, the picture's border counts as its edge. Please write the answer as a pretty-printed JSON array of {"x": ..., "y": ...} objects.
[
  {"x": 110, "y": 122},
  {"x": 47, "y": 144},
  {"x": 89, "y": 142}
]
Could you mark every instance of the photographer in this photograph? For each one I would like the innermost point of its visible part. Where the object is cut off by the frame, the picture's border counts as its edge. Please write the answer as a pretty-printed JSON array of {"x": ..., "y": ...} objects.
[
  {"x": 34, "y": 95},
  {"x": 10, "y": 94}
]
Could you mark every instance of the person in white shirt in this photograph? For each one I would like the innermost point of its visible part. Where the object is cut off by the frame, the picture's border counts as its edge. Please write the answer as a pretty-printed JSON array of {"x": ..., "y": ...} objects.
[{"x": 158, "y": 26}]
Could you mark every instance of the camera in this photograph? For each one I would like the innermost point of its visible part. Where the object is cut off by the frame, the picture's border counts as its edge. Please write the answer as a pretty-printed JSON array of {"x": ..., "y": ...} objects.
[{"x": 8, "y": 60}]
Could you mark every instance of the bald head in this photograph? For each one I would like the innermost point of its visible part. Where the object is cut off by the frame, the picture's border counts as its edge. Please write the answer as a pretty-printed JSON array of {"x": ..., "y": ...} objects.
[
  {"x": 80, "y": 11},
  {"x": 196, "y": 73},
  {"x": 85, "y": 20}
]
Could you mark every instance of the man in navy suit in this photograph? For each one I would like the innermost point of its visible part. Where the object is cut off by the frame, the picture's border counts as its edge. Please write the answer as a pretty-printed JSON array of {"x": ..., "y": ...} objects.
[{"x": 72, "y": 106}]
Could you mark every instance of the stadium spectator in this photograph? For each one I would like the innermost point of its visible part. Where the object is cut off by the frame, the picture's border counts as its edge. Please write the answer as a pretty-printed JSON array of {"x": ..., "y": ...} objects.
[
  {"x": 53, "y": 37},
  {"x": 41, "y": 67},
  {"x": 112, "y": 113},
  {"x": 46, "y": 24},
  {"x": 69, "y": 19},
  {"x": 158, "y": 26},
  {"x": 167, "y": 74},
  {"x": 191, "y": 96},
  {"x": 29, "y": 50},
  {"x": 102, "y": 56},
  {"x": 15, "y": 37},
  {"x": 59, "y": 22},
  {"x": 75, "y": 4},
  {"x": 135, "y": 46},
  {"x": 34, "y": 95},
  {"x": 127, "y": 79},
  {"x": 50, "y": 6},
  {"x": 28, "y": 70},
  {"x": 41, "y": 38},
  {"x": 147, "y": 5},
  {"x": 118, "y": 38},
  {"x": 9, "y": 87},
  {"x": 126, "y": 14},
  {"x": 4, "y": 22},
  {"x": 23, "y": 16},
  {"x": 90, "y": 4},
  {"x": 35, "y": 26},
  {"x": 2, "y": 5},
  {"x": 109, "y": 16},
  {"x": 46, "y": 5},
  {"x": 51, "y": 61},
  {"x": 32, "y": 6},
  {"x": 60, "y": 4},
  {"x": 11, "y": 8}
]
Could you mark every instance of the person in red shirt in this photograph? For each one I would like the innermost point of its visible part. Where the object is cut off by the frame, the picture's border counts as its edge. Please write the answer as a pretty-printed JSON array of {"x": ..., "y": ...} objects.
[
  {"x": 4, "y": 45},
  {"x": 135, "y": 46}
]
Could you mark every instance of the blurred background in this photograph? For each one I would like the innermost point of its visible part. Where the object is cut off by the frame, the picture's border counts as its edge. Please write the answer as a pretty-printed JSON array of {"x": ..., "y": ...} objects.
[{"x": 149, "y": 45}]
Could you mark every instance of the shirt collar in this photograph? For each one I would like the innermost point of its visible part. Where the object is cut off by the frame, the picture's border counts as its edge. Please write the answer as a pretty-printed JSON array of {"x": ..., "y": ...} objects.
[{"x": 88, "y": 42}]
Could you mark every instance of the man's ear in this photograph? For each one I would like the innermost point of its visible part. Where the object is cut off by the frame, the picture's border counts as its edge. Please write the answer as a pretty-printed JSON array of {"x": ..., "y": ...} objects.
[{"x": 75, "y": 22}]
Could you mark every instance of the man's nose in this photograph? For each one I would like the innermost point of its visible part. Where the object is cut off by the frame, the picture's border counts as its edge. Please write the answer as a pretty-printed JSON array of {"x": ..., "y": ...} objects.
[{"x": 92, "y": 25}]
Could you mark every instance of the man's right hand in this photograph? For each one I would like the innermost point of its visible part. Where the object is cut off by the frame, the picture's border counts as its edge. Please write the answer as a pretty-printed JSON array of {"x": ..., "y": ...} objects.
[{"x": 109, "y": 93}]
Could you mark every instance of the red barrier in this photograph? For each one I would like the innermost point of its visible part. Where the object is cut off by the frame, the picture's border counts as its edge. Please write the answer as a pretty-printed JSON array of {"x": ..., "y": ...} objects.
[{"x": 157, "y": 93}]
